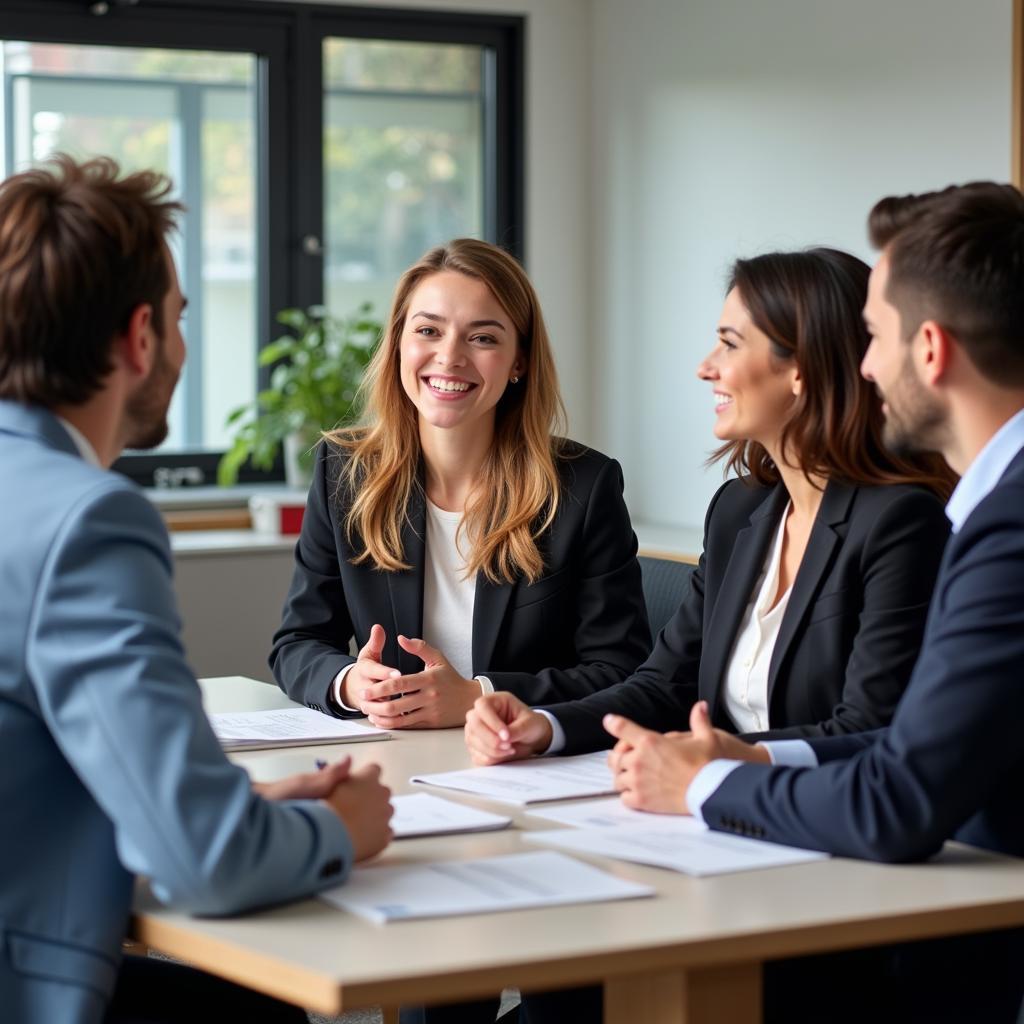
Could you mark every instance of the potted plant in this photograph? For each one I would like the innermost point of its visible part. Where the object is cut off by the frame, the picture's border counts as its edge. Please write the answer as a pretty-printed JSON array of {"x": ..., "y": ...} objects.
[{"x": 313, "y": 387}]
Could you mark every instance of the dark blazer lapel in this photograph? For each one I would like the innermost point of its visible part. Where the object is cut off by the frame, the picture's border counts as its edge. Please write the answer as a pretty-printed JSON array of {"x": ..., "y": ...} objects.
[
  {"x": 406, "y": 588},
  {"x": 745, "y": 564},
  {"x": 489, "y": 609},
  {"x": 821, "y": 546}
]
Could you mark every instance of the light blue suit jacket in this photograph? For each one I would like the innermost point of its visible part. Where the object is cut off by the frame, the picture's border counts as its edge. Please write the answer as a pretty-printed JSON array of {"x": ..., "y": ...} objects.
[{"x": 108, "y": 766}]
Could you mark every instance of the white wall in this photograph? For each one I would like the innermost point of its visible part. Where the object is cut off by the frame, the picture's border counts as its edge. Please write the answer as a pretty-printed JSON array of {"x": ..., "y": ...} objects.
[
  {"x": 664, "y": 138},
  {"x": 728, "y": 127}
]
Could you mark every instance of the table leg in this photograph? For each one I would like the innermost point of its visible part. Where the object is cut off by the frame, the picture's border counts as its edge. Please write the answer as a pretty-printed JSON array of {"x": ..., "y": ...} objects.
[
  {"x": 389, "y": 1014},
  {"x": 696, "y": 996}
]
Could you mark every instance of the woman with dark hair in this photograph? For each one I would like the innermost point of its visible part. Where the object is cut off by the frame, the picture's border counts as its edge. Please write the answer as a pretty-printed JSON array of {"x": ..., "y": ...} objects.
[
  {"x": 460, "y": 541},
  {"x": 806, "y": 610},
  {"x": 805, "y": 613}
]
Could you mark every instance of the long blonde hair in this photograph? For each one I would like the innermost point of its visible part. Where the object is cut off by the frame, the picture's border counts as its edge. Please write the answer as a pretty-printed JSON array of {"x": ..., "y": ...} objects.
[{"x": 516, "y": 495}]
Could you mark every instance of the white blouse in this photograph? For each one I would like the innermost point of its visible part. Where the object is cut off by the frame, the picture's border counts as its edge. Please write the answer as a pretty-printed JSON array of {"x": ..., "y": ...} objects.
[
  {"x": 448, "y": 596},
  {"x": 746, "y": 678}
]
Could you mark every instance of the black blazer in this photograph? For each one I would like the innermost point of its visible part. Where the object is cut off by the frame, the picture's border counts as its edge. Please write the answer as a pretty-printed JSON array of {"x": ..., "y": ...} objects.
[
  {"x": 849, "y": 635},
  {"x": 951, "y": 765},
  {"x": 579, "y": 628}
]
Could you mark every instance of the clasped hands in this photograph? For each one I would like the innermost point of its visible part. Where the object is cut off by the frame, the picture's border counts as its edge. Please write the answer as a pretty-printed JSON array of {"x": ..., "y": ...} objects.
[
  {"x": 432, "y": 699},
  {"x": 357, "y": 797},
  {"x": 652, "y": 770}
]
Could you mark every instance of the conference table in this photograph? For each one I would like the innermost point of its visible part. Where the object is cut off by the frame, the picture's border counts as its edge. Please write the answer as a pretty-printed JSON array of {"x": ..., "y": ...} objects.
[{"x": 692, "y": 953}]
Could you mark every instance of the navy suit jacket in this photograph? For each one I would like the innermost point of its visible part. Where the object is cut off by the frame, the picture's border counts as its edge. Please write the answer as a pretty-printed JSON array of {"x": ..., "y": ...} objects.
[
  {"x": 951, "y": 765},
  {"x": 849, "y": 636},
  {"x": 108, "y": 765},
  {"x": 580, "y": 627}
]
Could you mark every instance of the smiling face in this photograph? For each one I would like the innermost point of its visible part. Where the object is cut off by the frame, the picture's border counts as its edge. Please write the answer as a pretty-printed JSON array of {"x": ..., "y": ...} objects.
[
  {"x": 915, "y": 419},
  {"x": 457, "y": 353},
  {"x": 754, "y": 390}
]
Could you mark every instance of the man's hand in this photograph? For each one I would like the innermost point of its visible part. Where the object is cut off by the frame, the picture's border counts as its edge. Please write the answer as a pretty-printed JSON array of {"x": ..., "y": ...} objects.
[
  {"x": 308, "y": 786},
  {"x": 367, "y": 670},
  {"x": 435, "y": 698},
  {"x": 364, "y": 806},
  {"x": 653, "y": 772},
  {"x": 500, "y": 727}
]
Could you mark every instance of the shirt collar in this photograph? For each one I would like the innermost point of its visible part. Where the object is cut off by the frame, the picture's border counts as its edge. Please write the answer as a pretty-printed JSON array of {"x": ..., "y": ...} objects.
[
  {"x": 986, "y": 470},
  {"x": 85, "y": 449}
]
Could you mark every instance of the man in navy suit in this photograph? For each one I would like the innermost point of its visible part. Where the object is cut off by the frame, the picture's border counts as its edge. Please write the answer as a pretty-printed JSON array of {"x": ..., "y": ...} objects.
[
  {"x": 108, "y": 765},
  {"x": 946, "y": 312}
]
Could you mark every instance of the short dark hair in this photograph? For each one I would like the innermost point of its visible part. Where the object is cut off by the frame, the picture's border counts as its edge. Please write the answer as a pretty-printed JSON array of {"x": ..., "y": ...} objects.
[
  {"x": 957, "y": 257},
  {"x": 810, "y": 305},
  {"x": 81, "y": 247}
]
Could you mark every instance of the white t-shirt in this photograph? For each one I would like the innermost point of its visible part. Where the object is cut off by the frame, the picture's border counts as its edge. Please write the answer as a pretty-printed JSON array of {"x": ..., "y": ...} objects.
[{"x": 448, "y": 596}]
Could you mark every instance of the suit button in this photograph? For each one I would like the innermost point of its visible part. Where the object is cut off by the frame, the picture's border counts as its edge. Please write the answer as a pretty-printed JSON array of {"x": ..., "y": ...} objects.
[{"x": 332, "y": 867}]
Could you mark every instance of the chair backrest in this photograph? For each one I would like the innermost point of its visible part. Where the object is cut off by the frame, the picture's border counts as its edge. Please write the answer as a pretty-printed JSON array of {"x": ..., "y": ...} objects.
[{"x": 665, "y": 582}]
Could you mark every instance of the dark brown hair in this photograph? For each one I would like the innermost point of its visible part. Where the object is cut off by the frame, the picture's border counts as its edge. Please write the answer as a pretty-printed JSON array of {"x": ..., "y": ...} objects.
[
  {"x": 80, "y": 248},
  {"x": 810, "y": 305},
  {"x": 957, "y": 257}
]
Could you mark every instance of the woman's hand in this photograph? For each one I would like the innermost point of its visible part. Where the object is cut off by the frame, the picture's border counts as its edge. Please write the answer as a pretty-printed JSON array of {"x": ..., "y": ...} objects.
[
  {"x": 435, "y": 698},
  {"x": 500, "y": 727},
  {"x": 367, "y": 670}
]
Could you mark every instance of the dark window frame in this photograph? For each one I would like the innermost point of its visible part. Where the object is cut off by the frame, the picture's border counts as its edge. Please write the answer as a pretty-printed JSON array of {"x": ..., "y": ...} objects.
[{"x": 288, "y": 39}]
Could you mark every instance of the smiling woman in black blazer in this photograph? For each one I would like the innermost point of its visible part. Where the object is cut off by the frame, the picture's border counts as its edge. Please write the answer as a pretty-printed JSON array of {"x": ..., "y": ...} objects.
[
  {"x": 463, "y": 545},
  {"x": 806, "y": 610}
]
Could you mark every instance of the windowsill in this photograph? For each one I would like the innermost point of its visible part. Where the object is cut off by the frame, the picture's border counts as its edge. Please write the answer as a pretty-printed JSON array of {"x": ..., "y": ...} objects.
[
  {"x": 205, "y": 520},
  {"x": 202, "y": 498},
  {"x": 676, "y": 543},
  {"x": 672, "y": 542},
  {"x": 207, "y": 543},
  {"x": 213, "y": 509}
]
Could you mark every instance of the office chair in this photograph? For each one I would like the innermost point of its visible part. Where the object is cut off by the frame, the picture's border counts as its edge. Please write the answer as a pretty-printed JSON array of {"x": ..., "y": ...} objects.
[{"x": 665, "y": 582}]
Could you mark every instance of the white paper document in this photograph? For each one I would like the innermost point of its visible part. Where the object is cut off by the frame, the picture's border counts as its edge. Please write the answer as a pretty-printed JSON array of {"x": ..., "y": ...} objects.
[
  {"x": 286, "y": 727},
  {"x": 423, "y": 814},
  {"x": 516, "y": 881},
  {"x": 605, "y": 812},
  {"x": 679, "y": 844},
  {"x": 527, "y": 782}
]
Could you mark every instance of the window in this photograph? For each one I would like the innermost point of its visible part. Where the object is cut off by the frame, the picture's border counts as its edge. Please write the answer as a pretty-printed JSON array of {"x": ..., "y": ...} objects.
[
  {"x": 190, "y": 115},
  {"x": 403, "y": 156},
  {"x": 319, "y": 151}
]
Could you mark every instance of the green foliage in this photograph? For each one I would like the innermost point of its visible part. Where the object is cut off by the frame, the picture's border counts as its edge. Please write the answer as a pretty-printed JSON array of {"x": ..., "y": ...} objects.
[{"x": 313, "y": 386}]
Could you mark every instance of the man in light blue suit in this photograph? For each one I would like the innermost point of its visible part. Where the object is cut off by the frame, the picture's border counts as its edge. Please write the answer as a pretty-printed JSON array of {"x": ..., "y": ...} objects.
[{"x": 108, "y": 766}]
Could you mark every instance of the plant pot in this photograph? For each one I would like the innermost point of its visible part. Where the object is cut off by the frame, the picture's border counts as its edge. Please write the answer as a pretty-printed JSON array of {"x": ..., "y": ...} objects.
[{"x": 298, "y": 471}]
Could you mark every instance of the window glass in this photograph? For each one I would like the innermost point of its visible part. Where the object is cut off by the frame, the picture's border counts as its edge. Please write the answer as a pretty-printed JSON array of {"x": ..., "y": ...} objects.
[
  {"x": 403, "y": 160},
  {"x": 190, "y": 115}
]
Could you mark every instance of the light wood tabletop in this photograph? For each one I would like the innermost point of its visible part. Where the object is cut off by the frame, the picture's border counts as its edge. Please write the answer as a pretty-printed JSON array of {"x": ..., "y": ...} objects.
[{"x": 692, "y": 953}]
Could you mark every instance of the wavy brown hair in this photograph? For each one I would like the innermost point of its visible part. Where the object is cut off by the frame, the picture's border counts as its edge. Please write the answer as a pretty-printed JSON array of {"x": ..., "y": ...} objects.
[
  {"x": 810, "y": 305},
  {"x": 517, "y": 493}
]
